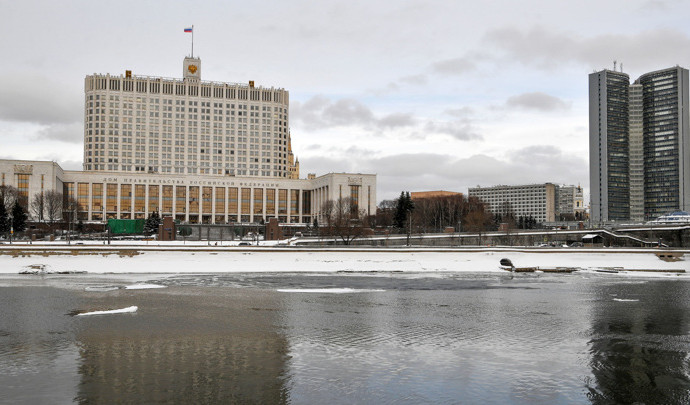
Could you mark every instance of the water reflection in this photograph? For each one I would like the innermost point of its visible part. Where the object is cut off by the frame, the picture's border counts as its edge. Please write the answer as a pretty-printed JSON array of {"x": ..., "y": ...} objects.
[
  {"x": 639, "y": 350},
  {"x": 184, "y": 348},
  {"x": 38, "y": 357},
  {"x": 494, "y": 343}
]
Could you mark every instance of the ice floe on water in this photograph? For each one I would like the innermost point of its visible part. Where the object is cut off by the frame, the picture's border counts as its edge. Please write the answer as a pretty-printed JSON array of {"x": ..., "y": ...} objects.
[
  {"x": 143, "y": 286},
  {"x": 102, "y": 288},
  {"x": 328, "y": 290},
  {"x": 131, "y": 309}
]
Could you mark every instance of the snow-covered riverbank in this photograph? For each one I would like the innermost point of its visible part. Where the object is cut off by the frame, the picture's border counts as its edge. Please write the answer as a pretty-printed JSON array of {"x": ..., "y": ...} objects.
[{"x": 204, "y": 259}]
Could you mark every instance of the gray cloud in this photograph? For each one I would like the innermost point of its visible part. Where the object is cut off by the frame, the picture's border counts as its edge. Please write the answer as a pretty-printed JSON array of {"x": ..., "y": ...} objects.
[
  {"x": 35, "y": 99},
  {"x": 346, "y": 112},
  {"x": 655, "y": 5},
  {"x": 537, "y": 101},
  {"x": 70, "y": 132},
  {"x": 320, "y": 112},
  {"x": 462, "y": 112},
  {"x": 417, "y": 80},
  {"x": 462, "y": 130},
  {"x": 432, "y": 171},
  {"x": 397, "y": 86},
  {"x": 547, "y": 49},
  {"x": 397, "y": 120},
  {"x": 456, "y": 66}
]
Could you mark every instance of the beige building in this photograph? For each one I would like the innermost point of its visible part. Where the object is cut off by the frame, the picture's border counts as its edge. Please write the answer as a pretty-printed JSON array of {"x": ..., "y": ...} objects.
[
  {"x": 192, "y": 199},
  {"x": 538, "y": 201},
  {"x": 433, "y": 194},
  {"x": 148, "y": 124}
]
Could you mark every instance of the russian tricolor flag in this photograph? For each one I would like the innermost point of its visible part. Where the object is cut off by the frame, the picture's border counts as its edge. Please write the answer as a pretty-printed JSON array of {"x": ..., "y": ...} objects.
[{"x": 187, "y": 30}]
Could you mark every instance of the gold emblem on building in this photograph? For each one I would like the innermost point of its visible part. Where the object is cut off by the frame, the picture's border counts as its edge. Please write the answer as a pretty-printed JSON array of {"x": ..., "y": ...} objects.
[{"x": 192, "y": 69}]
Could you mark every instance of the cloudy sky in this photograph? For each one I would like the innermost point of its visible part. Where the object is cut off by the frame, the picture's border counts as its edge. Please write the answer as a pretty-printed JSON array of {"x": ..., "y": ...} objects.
[{"x": 427, "y": 94}]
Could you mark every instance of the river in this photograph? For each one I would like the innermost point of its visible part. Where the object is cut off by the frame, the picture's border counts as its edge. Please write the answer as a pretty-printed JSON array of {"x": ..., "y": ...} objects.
[{"x": 346, "y": 338}]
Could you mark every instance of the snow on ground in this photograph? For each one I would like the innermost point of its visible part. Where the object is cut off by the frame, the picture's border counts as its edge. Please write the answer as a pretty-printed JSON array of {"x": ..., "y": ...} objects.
[
  {"x": 139, "y": 259},
  {"x": 113, "y": 311}
]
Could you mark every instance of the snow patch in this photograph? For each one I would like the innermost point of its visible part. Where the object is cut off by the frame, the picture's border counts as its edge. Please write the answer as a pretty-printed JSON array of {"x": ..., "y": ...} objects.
[{"x": 113, "y": 311}]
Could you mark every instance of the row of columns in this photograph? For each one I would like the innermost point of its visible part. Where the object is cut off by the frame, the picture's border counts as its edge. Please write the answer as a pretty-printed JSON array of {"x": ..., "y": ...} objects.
[{"x": 213, "y": 213}]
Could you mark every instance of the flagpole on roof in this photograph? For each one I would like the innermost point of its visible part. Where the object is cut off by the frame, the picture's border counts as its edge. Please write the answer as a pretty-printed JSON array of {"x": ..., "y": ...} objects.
[{"x": 192, "y": 40}]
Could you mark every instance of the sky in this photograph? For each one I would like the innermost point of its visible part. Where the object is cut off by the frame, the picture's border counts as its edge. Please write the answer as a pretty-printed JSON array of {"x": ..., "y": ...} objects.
[{"x": 428, "y": 95}]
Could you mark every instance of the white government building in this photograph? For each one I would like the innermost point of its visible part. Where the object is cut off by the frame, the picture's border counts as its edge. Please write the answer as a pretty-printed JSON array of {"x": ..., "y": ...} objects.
[{"x": 203, "y": 152}]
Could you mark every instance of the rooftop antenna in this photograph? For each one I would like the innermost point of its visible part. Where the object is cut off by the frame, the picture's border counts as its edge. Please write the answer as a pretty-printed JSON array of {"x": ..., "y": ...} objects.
[
  {"x": 621, "y": 67},
  {"x": 614, "y": 62}
]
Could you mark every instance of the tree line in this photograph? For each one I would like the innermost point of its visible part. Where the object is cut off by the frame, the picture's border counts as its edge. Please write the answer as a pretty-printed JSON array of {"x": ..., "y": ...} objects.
[
  {"x": 49, "y": 207},
  {"x": 437, "y": 214}
]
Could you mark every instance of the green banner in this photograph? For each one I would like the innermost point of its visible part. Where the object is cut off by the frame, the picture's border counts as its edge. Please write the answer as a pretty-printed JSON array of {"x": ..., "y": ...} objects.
[{"x": 126, "y": 226}]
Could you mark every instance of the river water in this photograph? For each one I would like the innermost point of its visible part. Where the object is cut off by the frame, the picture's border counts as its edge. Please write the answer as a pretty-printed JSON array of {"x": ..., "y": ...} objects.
[{"x": 347, "y": 338}]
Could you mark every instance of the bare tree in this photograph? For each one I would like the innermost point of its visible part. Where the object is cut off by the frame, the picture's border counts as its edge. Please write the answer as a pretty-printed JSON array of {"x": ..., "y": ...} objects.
[
  {"x": 53, "y": 205},
  {"x": 436, "y": 213},
  {"x": 476, "y": 218},
  {"x": 8, "y": 196},
  {"x": 344, "y": 219},
  {"x": 38, "y": 206}
]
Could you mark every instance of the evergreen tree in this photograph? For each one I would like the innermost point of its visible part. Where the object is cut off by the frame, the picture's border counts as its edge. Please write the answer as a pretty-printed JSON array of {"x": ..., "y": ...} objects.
[
  {"x": 152, "y": 223},
  {"x": 18, "y": 217},
  {"x": 403, "y": 208},
  {"x": 4, "y": 219}
]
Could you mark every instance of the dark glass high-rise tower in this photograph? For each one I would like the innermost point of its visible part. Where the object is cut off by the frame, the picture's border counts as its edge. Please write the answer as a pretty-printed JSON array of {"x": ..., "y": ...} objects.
[
  {"x": 621, "y": 171},
  {"x": 608, "y": 146},
  {"x": 665, "y": 133}
]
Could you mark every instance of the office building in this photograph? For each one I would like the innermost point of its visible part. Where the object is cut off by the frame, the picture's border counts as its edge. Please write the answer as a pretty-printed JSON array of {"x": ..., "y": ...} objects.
[
  {"x": 146, "y": 124},
  {"x": 570, "y": 201},
  {"x": 608, "y": 145},
  {"x": 666, "y": 141},
  {"x": 538, "y": 201},
  {"x": 639, "y": 139}
]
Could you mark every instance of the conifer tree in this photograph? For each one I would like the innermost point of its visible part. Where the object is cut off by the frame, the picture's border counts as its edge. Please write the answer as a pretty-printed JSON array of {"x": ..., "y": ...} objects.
[
  {"x": 18, "y": 217},
  {"x": 4, "y": 219},
  {"x": 152, "y": 223},
  {"x": 403, "y": 208}
]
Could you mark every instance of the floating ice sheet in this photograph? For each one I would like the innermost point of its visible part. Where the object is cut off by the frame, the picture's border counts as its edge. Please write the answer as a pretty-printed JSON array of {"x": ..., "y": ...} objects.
[
  {"x": 112, "y": 311},
  {"x": 143, "y": 286},
  {"x": 327, "y": 290}
]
